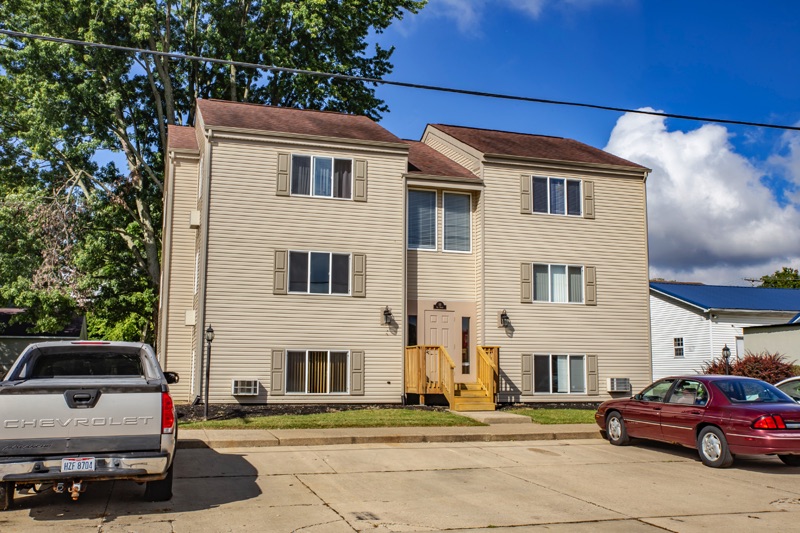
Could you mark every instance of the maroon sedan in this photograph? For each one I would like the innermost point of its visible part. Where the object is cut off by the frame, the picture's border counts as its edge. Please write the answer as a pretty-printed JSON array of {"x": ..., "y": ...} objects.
[{"x": 721, "y": 416}]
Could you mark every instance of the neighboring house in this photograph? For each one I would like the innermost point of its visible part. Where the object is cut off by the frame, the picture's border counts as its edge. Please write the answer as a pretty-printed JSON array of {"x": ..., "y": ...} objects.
[
  {"x": 15, "y": 337},
  {"x": 780, "y": 338},
  {"x": 340, "y": 264},
  {"x": 692, "y": 323}
]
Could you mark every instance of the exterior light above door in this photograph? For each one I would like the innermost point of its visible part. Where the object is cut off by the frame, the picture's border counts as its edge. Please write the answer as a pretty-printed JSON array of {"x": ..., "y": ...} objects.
[{"x": 387, "y": 316}]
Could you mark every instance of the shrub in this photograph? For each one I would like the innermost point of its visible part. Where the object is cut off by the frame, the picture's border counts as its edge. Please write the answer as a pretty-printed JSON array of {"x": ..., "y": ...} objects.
[{"x": 769, "y": 367}]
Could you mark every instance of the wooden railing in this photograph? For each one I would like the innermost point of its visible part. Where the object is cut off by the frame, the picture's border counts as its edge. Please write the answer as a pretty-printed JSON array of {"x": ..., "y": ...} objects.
[
  {"x": 447, "y": 377},
  {"x": 488, "y": 369}
]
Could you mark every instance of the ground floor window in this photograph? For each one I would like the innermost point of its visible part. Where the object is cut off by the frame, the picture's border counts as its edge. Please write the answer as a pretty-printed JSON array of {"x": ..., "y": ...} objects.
[
  {"x": 677, "y": 344},
  {"x": 562, "y": 374},
  {"x": 316, "y": 372}
]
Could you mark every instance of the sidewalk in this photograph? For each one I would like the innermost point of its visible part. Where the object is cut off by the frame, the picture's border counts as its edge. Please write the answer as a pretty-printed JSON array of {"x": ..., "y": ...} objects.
[{"x": 248, "y": 438}]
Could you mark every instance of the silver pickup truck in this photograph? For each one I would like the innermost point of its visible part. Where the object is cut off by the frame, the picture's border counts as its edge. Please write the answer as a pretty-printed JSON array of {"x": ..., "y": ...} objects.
[{"x": 74, "y": 412}]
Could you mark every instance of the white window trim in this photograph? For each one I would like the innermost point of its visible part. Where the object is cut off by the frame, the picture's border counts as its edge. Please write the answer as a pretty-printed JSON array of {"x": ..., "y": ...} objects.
[
  {"x": 435, "y": 222},
  {"x": 550, "y": 285},
  {"x": 313, "y": 164},
  {"x": 306, "y": 377},
  {"x": 566, "y": 207},
  {"x": 569, "y": 374},
  {"x": 444, "y": 214},
  {"x": 330, "y": 273}
]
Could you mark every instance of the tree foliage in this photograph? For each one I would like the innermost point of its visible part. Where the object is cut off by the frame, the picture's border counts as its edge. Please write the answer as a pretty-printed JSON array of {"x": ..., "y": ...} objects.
[
  {"x": 78, "y": 231},
  {"x": 769, "y": 367},
  {"x": 785, "y": 278}
]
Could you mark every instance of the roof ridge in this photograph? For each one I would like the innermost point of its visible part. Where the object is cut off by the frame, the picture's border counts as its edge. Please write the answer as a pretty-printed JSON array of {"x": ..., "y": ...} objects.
[
  {"x": 503, "y": 131},
  {"x": 285, "y": 108}
]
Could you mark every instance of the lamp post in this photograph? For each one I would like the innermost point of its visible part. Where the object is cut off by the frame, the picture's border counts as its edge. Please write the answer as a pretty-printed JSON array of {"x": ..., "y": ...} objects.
[
  {"x": 209, "y": 338},
  {"x": 726, "y": 354}
]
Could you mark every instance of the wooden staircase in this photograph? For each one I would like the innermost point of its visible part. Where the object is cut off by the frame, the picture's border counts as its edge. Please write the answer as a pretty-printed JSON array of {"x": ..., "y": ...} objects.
[{"x": 471, "y": 397}]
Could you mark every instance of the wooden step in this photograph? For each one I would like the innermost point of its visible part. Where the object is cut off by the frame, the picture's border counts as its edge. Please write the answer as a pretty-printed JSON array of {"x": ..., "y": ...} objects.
[
  {"x": 480, "y": 393},
  {"x": 469, "y": 386},
  {"x": 472, "y": 404}
]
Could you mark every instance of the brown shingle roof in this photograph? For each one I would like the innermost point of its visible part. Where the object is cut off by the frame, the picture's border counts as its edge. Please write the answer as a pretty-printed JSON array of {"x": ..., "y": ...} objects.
[
  {"x": 290, "y": 120},
  {"x": 533, "y": 146},
  {"x": 422, "y": 159},
  {"x": 181, "y": 138}
]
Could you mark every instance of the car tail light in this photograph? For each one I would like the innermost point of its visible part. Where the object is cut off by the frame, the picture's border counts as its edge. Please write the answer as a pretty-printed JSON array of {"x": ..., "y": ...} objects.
[
  {"x": 167, "y": 413},
  {"x": 769, "y": 422}
]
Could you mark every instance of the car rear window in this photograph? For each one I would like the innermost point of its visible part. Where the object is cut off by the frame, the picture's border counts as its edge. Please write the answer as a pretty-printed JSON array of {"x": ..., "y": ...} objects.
[
  {"x": 78, "y": 364},
  {"x": 751, "y": 391}
]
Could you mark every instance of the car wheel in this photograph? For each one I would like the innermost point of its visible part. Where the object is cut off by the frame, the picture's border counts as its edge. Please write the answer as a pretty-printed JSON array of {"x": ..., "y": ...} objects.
[
  {"x": 161, "y": 490},
  {"x": 713, "y": 448},
  {"x": 790, "y": 460},
  {"x": 615, "y": 430},
  {"x": 6, "y": 495}
]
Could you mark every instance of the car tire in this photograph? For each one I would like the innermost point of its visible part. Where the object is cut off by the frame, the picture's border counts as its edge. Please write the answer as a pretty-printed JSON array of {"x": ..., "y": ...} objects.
[
  {"x": 713, "y": 448},
  {"x": 616, "y": 432},
  {"x": 790, "y": 460},
  {"x": 6, "y": 495},
  {"x": 161, "y": 490}
]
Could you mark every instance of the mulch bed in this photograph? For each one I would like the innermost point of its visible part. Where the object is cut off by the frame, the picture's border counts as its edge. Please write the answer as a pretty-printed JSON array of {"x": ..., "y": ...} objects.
[{"x": 194, "y": 413}]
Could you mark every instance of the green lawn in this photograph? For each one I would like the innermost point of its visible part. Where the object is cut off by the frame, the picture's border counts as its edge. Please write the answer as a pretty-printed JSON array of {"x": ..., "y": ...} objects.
[
  {"x": 557, "y": 416},
  {"x": 360, "y": 418}
]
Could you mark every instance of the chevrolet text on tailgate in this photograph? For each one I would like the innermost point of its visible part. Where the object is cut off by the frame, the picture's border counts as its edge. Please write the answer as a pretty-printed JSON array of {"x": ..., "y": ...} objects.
[{"x": 74, "y": 412}]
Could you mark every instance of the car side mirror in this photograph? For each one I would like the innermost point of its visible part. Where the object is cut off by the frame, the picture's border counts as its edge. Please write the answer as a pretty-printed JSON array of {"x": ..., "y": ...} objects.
[
  {"x": 172, "y": 377},
  {"x": 638, "y": 397}
]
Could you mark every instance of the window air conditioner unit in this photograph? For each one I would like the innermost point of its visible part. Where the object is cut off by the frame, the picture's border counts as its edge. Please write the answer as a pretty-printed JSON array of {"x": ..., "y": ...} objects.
[
  {"x": 245, "y": 387},
  {"x": 619, "y": 385}
]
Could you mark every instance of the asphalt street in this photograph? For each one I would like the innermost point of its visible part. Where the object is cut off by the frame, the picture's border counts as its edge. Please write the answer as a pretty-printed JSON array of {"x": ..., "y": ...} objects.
[{"x": 578, "y": 485}]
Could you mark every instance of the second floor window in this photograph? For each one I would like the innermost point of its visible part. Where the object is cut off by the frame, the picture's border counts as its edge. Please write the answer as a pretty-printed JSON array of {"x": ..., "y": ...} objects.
[
  {"x": 327, "y": 177},
  {"x": 457, "y": 228},
  {"x": 319, "y": 273},
  {"x": 677, "y": 344},
  {"x": 557, "y": 283},
  {"x": 422, "y": 220},
  {"x": 557, "y": 196}
]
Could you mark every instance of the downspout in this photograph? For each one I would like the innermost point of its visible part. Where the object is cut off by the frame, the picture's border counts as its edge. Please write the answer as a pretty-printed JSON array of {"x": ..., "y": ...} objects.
[
  {"x": 647, "y": 258},
  {"x": 166, "y": 269},
  {"x": 404, "y": 244},
  {"x": 203, "y": 281},
  {"x": 710, "y": 333}
]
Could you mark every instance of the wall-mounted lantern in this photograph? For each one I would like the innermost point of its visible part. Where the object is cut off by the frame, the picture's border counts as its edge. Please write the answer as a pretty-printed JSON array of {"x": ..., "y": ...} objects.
[
  {"x": 387, "y": 316},
  {"x": 503, "y": 321}
]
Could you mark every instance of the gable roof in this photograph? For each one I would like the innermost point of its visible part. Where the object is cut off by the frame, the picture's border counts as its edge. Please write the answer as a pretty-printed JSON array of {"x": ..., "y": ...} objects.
[
  {"x": 181, "y": 138},
  {"x": 735, "y": 298},
  {"x": 533, "y": 146},
  {"x": 290, "y": 120},
  {"x": 422, "y": 159}
]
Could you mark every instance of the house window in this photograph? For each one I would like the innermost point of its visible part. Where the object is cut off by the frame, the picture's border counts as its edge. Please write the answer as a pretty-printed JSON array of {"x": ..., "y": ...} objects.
[
  {"x": 422, "y": 220},
  {"x": 317, "y": 372},
  {"x": 319, "y": 273},
  {"x": 558, "y": 283},
  {"x": 557, "y": 196},
  {"x": 559, "y": 374},
  {"x": 677, "y": 344},
  {"x": 457, "y": 223},
  {"x": 322, "y": 176}
]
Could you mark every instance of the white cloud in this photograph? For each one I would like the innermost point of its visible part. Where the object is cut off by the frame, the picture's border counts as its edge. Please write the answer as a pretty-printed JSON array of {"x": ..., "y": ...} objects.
[
  {"x": 710, "y": 217},
  {"x": 787, "y": 163}
]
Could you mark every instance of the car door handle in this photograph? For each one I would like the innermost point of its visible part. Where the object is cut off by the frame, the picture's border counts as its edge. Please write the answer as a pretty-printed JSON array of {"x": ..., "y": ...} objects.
[
  {"x": 695, "y": 412},
  {"x": 656, "y": 408}
]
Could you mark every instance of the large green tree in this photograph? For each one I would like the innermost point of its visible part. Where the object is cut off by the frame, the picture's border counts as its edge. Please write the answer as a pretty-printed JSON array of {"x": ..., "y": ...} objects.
[
  {"x": 785, "y": 278},
  {"x": 83, "y": 130}
]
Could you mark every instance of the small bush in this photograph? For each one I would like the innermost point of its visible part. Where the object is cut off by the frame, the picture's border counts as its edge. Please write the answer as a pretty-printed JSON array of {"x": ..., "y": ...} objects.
[{"x": 769, "y": 367}]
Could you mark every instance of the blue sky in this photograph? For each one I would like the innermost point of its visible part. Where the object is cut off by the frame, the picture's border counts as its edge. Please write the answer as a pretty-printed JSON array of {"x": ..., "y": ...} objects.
[{"x": 723, "y": 201}]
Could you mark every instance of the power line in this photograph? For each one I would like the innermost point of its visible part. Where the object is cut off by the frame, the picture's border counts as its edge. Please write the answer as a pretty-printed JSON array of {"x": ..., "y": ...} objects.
[{"x": 378, "y": 81}]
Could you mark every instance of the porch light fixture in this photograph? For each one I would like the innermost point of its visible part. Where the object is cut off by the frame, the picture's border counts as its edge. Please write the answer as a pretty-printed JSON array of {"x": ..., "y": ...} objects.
[
  {"x": 209, "y": 339},
  {"x": 387, "y": 316},
  {"x": 504, "y": 320},
  {"x": 726, "y": 354}
]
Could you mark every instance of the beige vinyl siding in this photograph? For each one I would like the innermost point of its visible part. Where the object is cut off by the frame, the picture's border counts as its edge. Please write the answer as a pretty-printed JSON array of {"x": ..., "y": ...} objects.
[
  {"x": 178, "y": 349},
  {"x": 459, "y": 152},
  {"x": 249, "y": 222},
  {"x": 615, "y": 243}
]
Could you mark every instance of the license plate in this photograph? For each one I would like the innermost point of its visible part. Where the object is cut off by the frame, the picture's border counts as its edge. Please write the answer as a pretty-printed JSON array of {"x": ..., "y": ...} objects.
[{"x": 77, "y": 464}]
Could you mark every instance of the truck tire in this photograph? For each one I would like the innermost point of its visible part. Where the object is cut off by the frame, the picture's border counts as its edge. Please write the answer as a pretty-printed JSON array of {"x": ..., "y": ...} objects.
[
  {"x": 159, "y": 491},
  {"x": 6, "y": 495}
]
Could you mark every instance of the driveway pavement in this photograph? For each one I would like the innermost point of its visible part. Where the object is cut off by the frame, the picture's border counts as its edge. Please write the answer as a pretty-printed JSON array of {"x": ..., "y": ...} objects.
[{"x": 513, "y": 487}]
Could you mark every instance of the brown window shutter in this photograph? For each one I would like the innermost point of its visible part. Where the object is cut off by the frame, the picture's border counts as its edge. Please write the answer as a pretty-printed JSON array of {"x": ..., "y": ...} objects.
[
  {"x": 592, "y": 387},
  {"x": 525, "y": 197},
  {"x": 283, "y": 175},
  {"x": 590, "y": 285},
  {"x": 526, "y": 283},
  {"x": 360, "y": 181},
  {"x": 588, "y": 199},
  {"x": 277, "y": 383},
  {"x": 527, "y": 374},
  {"x": 281, "y": 275},
  {"x": 357, "y": 373},
  {"x": 358, "y": 287}
]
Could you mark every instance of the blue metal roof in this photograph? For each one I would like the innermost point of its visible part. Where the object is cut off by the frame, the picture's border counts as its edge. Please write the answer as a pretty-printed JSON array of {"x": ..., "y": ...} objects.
[{"x": 726, "y": 297}]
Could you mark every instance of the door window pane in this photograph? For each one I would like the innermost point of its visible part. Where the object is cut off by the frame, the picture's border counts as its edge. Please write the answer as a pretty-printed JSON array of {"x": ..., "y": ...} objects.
[
  {"x": 540, "y": 195},
  {"x": 412, "y": 330},
  {"x": 465, "y": 345},
  {"x": 541, "y": 283},
  {"x": 301, "y": 174},
  {"x": 573, "y": 197},
  {"x": 338, "y": 372},
  {"x": 298, "y": 271},
  {"x": 422, "y": 220},
  {"x": 340, "y": 273},
  {"x": 295, "y": 372},
  {"x": 457, "y": 231},
  {"x": 558, "y": 283},
  {"x": 342, "y": 178},
  {"x": 557, "y": 203},
  {"x": 577, "y": 378},
  {"x": 320, "y": 268},
  {"x": 541, "y": 373},
  {"x": 575, "y": 284},
  {"x": 322, "y": 176}
]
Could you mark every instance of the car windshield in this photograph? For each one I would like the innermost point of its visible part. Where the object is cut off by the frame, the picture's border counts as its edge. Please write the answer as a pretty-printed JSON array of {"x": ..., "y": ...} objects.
[{"x": 751, "y": 391}]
